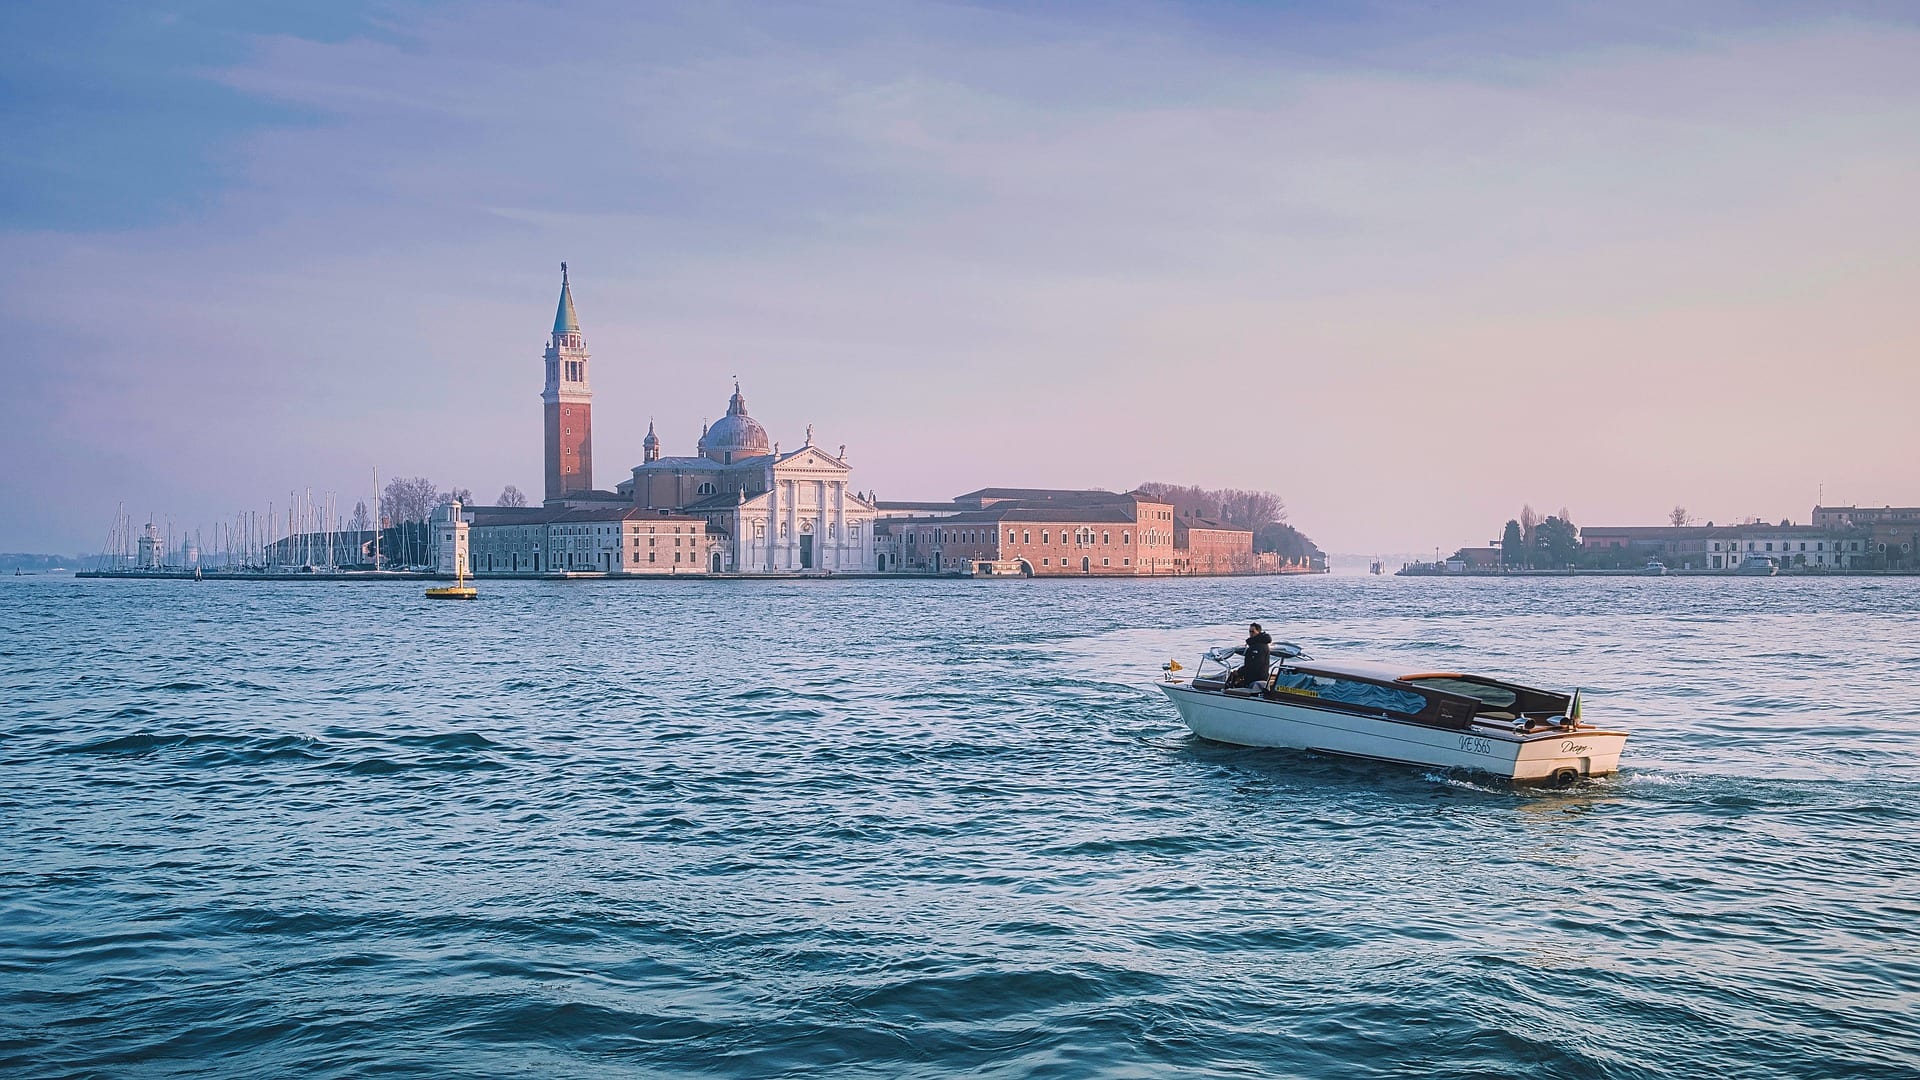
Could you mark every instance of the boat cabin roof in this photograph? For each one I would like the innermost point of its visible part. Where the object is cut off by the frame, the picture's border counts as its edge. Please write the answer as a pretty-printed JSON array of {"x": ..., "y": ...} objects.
[
  {"x": 1489, "y": 691},
  {"x": 1359, "y": 669}
]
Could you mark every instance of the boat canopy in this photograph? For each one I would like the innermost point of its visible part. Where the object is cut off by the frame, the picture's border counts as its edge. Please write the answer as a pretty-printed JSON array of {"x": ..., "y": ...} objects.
[{"x": 1367, "y": 695}]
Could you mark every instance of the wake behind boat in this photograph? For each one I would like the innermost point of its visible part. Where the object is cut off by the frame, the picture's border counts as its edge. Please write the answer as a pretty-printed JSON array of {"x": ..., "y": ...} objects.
[{"x": 1443, "y": 719}]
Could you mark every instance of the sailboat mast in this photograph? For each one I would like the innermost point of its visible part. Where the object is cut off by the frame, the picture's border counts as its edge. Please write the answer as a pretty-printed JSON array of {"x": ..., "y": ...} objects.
[{"x": 376, "y": 518}]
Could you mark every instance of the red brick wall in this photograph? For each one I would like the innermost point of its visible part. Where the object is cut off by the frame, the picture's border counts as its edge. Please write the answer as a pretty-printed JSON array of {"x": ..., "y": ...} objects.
[
  {"x": 1153, "y": 539},
  {"x": 1052, "y": 548},
  {"x": 1217, "y": 551},
  {"x": 569, "y": 448}
]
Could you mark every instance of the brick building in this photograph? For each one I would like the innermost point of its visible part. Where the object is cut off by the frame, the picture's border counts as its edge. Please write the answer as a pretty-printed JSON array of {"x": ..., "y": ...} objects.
[
  {"x": 611, "y": 540},
  {"x": 1708, "y": 547},
  {"x": 1205, "y": 546},
  {"x": 1050, "y": 533}
]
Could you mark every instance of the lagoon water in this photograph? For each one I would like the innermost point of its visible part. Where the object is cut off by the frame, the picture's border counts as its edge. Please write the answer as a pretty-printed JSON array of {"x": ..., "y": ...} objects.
[{"x": 934, "y": 829}]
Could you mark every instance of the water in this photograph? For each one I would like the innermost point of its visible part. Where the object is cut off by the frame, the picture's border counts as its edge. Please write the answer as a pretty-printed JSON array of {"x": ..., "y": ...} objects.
[{"x": 931, "y": 829}]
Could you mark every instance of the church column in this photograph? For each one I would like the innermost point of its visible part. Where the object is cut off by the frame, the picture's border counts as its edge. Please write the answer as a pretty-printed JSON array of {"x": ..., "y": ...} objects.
[
  {"x": 840, "y": 521},
  {"x": 791, "y": 552},
  {"x": 773, "y": 521}
]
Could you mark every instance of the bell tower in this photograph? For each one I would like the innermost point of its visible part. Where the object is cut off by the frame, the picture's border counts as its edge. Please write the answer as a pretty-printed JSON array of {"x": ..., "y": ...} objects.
[{"x": 568, "y": 399}]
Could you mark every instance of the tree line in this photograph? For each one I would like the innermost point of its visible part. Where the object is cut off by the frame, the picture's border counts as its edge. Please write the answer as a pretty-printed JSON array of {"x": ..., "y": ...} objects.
[
  {"x": 1262, "y": 513},
  {"x": 412, "y": 498},
  {"x": 1533, "y": 542}
]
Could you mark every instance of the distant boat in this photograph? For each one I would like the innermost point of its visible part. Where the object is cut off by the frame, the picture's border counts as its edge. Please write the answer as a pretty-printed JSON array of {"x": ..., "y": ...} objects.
[
  {"x": 1654, "y": 568},
  {"x": 1757, "y": 566}
]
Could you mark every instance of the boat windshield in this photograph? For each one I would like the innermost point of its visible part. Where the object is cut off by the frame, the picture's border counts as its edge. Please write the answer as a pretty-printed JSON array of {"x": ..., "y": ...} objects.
[{"x": 1497, "y": 697}]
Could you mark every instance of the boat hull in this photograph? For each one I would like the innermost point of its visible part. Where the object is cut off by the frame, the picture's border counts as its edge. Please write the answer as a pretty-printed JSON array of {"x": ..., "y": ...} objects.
[{"x": 1255, "y": 721}]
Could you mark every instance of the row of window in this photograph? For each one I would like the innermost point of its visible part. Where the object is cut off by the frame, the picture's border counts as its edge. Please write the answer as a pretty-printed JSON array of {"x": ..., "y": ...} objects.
[
  {"x": 971, "y": 536},
  {"x": 806, "y": 529},
  {"x": 605, "y": 530},
  {"x": 1818, "y": 545}
]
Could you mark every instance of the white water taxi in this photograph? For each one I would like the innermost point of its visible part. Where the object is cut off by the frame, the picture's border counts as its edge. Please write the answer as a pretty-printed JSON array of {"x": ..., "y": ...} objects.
[{"x": 1445, "y": 719}]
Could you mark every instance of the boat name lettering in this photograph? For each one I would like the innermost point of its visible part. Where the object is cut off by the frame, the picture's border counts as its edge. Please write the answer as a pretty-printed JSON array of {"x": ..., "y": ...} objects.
[
  {"x": 1475, "y": 745},
  {"x": 1573, "y": 748}
]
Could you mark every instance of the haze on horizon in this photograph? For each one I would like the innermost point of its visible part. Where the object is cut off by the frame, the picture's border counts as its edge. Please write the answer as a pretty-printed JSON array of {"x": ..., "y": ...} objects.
[{"x": 1408, "y": 267}]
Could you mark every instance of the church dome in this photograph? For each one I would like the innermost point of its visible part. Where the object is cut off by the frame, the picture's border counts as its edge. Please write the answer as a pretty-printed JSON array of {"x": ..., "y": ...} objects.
[{"x": 735, "y": 435}]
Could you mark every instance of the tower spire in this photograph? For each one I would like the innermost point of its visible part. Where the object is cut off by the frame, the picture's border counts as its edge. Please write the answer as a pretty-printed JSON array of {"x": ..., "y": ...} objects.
[{"x": 564, "y": 320}]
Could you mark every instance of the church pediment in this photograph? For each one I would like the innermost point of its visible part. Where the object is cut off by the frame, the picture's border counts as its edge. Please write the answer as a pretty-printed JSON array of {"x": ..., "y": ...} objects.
[{"x": 812, "y": 458}]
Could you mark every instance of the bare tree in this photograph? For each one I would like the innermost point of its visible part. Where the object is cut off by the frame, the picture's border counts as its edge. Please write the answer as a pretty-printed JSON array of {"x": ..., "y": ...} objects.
[
  {"x": 1529, "y": 521},
  {"x": 361, "y": 521},
  {"x": 1252, "y": 510},
  {"x": 408, "y": 498},
  {"x": 463, "y": 496},
  {"x": 511, "y": 496},
  {"x": 1679, "y": 517}
]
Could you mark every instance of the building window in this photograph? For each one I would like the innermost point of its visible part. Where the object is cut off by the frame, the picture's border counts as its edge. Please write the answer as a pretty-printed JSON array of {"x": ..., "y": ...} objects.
[
  {"x": 1126, "y": 538},
  {"x": 1126, "y": 562},
  {"x": 853, "y": 532},
  {"x": 1026, "y": 538},
  {"x": 1106, "y": 562},
  {"x": 1043, "y": 536},
  {"x": 1046, "y": 562},
  {"x": 707, "y": 488}
]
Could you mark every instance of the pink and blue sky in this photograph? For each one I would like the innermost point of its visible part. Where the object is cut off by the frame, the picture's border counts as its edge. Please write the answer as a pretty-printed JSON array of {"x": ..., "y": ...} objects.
[{"x": 1410, "y": 265}]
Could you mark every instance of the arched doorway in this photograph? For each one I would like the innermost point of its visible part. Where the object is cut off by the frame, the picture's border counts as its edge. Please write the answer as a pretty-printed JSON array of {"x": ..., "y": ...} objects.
[
  {"x": 715, "y": 562},
  {"x": 1086, "y": 564}
]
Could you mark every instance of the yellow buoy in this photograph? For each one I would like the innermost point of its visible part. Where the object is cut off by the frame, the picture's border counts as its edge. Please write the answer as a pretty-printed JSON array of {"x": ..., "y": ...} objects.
[{"x": 459, "y": 590}]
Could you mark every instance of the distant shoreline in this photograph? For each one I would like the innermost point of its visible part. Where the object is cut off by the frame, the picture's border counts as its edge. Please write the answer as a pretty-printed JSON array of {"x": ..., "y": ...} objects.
[
  {"x": 590, "y": 575},
  {"x": 1643, "y": 573}
]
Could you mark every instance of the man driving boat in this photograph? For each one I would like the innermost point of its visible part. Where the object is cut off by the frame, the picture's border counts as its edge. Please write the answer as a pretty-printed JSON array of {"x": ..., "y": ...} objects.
[{"x": 1259, "y": 657}]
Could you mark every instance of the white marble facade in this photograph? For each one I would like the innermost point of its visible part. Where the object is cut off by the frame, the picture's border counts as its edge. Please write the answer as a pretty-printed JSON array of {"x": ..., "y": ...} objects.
[
  {"x": 791, "y": 512},
  {"x": 806, "y": 519}
]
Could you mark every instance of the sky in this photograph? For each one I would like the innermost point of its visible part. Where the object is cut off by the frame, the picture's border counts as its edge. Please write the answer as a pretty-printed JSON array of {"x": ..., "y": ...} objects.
[{"x": 1409, "y": 265}]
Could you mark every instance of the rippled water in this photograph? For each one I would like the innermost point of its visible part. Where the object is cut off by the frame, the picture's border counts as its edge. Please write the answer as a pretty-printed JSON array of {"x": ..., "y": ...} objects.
[{"x": 939, "y": 829}]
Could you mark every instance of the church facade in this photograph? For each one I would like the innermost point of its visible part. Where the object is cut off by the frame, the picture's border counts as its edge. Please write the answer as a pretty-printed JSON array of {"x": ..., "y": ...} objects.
[{"x": 765, "y": 510}]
